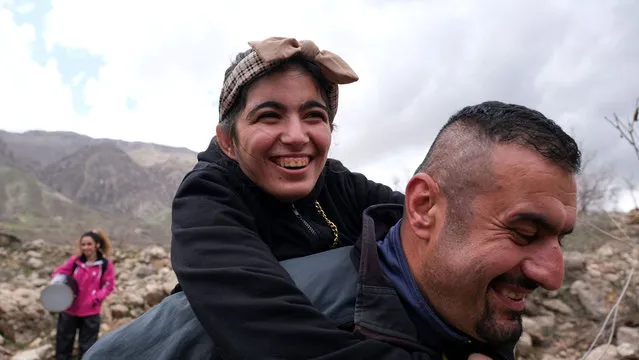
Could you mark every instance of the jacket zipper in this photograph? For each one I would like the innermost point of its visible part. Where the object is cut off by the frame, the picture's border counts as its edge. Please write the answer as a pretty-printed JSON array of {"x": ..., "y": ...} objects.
[{"x": 306, "y": 224}]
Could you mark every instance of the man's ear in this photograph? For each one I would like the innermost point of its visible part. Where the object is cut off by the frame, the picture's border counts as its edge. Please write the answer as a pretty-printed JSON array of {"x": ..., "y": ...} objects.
[
  {"x": 225, "y": 142},
  {"x": 422, "y": 199}
]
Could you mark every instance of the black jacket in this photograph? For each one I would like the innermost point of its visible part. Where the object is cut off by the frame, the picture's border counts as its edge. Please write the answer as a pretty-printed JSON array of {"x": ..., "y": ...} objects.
[{"x": 228, "y": 236}]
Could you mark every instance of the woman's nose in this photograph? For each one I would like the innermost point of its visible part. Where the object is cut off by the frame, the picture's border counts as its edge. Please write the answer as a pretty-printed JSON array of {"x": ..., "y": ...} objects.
[{"x": 294, "y": 132}]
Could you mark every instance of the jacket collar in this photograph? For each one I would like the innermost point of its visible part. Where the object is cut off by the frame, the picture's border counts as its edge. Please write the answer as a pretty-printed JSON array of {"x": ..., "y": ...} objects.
[
  {"x": 376, "y": 298},
  {"x": 98, "y": 260}
]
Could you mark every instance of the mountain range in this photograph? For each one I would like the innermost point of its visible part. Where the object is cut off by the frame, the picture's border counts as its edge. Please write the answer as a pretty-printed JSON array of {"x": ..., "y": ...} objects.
[{"x": 55, "y": 185}]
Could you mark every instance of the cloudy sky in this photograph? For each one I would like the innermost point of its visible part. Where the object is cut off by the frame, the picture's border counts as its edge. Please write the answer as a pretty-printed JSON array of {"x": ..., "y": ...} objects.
[{"x": 151, "y": 70}]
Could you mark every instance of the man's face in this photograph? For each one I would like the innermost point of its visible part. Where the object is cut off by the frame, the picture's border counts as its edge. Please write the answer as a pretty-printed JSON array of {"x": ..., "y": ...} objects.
[{"x": 511, "y": 245}]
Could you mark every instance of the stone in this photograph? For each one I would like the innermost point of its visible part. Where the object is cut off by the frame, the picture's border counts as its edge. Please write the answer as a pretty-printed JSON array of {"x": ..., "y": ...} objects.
[
  {"x": 33, "y": 354},
  {"x": 627, "y": 351},
  {"x": 524, "y": 345},
  {"x": 558, "y": 306},
  {"x": 603, "y": 352},
  {"x": 591, "y": 299},
  {"x": 629, "y": 338},
  {"x": 540, "y": 328}
]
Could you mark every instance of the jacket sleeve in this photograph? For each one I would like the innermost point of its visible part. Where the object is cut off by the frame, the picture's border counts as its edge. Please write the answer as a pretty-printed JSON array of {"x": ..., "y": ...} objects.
[
  {"x": 64, "y": 268},
  {"x": 107, "y": 283},
  {"x": 244, "y": 299}
]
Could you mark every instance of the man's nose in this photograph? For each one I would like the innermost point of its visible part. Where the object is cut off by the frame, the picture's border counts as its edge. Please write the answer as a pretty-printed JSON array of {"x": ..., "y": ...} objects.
[
  {"x": 294, "y": 132},
  {"x": 545, "y": 265}
]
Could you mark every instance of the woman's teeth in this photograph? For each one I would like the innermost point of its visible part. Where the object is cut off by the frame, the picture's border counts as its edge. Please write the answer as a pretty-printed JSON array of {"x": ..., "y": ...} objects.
[{"x": 292, "y": 162}]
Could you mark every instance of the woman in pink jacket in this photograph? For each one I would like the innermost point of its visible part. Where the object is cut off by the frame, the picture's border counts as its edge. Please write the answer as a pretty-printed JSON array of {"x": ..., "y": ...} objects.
[{"x": 94, "y": 275}]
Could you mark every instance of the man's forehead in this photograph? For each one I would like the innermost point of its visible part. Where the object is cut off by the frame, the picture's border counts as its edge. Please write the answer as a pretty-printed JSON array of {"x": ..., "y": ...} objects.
[
  {"x": 528, "y": 184},
  {"x": 507, "y": 156},
  {"x": 516, "y": 163}
]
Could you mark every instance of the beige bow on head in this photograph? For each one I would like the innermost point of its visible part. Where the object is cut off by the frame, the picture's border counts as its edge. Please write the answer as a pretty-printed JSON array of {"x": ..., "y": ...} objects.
[
  {"x": 270, "y": 52},
  {"x": 333, "y": 67}
]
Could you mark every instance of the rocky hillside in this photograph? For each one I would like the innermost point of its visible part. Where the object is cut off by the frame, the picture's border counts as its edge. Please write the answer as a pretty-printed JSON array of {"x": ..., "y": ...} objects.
[
  {"x": 558, "y": 325},
  {"x": 6, "y": 156},
  {"x": 56, "y": 184},
  {"x": 27, "y": 331},
  {"x": 29, "y": 209},
  {"x": 102, "y": 176}
]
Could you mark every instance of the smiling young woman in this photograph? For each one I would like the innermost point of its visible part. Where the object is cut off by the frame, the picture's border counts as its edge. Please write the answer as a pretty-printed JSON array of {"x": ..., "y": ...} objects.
[
  {"x": 283, "y": 134},
  {"x": 265, "y": 191},
  {"x": 94, "y": 276}
]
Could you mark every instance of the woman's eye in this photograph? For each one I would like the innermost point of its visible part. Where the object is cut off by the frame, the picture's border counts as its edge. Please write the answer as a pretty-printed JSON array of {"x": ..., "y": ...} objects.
[
  {"x": 268, "y": 116},
  {"x": 317, "y": 115}
]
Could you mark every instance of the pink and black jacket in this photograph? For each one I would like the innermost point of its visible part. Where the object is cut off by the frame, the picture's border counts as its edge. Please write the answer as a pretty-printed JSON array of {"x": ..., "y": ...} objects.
[{"x": 94, "y": 283}]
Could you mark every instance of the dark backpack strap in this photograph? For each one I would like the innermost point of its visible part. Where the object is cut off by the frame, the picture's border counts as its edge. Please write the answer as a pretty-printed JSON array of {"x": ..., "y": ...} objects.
[
  {"x": 104, "y": 266},
  {"x": 75, "y": 265}
]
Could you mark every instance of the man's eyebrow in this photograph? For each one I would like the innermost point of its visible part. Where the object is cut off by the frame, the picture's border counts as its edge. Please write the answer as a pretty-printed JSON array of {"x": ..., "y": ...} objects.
[
  {"x": 540, "y": 221},
  {"x": 265, "y": 104}
]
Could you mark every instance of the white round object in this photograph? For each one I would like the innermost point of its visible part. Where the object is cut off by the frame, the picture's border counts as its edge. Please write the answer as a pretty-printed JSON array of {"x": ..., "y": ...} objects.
[{"x": 59, "y": 294}]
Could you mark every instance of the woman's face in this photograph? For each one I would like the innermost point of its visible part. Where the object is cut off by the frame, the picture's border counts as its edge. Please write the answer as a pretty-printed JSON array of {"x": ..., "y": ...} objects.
[
  {"x": 88, "y": 246},
  {"x": 283, "y": 134}
]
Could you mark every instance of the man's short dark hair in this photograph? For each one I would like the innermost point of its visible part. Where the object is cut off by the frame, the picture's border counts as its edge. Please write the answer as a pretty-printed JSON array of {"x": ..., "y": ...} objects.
[{"x": 460, "y": 157}]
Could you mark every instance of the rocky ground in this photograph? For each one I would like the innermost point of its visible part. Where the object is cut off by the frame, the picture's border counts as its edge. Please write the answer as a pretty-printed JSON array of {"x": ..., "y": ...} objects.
[
  {"x": 558, "y": 325},
  {"x": 27, "y": 331}
]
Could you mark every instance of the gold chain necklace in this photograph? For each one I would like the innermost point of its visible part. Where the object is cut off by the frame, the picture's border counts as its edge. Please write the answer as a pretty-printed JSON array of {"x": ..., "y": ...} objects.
[{"x": 330, "y": 224}]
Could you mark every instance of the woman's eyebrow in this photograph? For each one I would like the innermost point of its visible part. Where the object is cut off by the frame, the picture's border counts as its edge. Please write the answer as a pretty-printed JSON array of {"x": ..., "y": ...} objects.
[
  {"x": 313, "y": 103},
  {"x": 279, "y": 106},
  {"x": 266, "y": 104}
]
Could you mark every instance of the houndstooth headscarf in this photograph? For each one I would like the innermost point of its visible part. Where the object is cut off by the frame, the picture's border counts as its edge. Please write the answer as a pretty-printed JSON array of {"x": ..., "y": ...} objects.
[{"x": 269, "y": 53}]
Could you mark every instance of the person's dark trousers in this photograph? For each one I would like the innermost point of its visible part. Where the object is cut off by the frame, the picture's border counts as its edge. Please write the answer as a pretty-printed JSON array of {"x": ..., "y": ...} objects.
[{"x": 65, "y": 334}]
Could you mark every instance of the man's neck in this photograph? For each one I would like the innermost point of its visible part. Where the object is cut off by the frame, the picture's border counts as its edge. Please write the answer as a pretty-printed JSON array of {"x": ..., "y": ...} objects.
[
  {"x": 413, "y": 252},
  {"x": 432, "y": 329}
]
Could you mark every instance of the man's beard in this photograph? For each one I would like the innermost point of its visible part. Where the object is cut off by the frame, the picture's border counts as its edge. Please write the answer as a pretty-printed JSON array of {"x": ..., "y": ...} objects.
[{"x": 495, "y": 333}]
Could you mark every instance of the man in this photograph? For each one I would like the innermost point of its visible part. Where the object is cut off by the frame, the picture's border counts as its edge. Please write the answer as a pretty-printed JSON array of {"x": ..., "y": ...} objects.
[{"x": 480, "y": 229}]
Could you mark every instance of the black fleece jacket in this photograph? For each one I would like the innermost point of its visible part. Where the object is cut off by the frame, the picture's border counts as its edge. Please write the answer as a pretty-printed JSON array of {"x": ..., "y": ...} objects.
[{"x": 228, "y": 236}]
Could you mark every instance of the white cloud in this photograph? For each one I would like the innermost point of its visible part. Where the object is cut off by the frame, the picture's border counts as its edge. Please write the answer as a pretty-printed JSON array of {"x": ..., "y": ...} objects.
[
  {"x": 418, "y": 62},
  {"x": 32, "y": 96},
  {"x": 169, "y": 59},
  {"x": 6, "y": 3}
]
